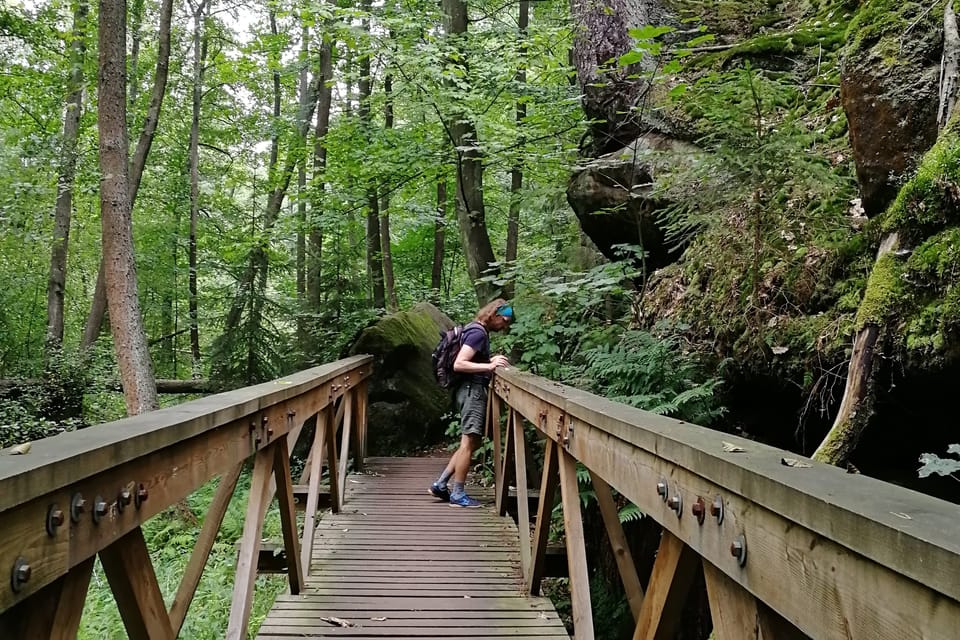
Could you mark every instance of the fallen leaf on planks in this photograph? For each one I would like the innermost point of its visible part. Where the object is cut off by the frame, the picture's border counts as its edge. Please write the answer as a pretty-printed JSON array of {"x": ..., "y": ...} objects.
[
  {"x": 729, "y": 447},
  {"x": 379, "y": 618}
]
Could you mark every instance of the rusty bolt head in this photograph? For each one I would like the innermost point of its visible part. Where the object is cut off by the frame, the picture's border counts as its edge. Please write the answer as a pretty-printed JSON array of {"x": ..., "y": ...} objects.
[
  {"x": 264, "y": 419},
  {"x": 77, "y": 506},
  {"x": 291, "y": 413},
  {"x": 125, "y": 496},
  {"x": 269, "y": 433},
  {"x": 662, "y": 490},
  {"x": 699, "y": 510},
  {"x": 141, "y": 496},
  {"x": 716, "y": 509},
  {"x": 55, "y": 519}
]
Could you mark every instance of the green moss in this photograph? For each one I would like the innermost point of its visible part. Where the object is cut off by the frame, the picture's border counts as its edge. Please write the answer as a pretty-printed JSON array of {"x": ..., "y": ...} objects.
[
  {"x": 880, "y": 26},
  {"x": 883, "y": 293},
  {"x": 928, "y": 202}
]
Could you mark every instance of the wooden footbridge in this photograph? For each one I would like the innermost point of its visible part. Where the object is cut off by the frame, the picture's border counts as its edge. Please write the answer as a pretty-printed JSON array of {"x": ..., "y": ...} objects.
[{"x": 788, "y": 548}]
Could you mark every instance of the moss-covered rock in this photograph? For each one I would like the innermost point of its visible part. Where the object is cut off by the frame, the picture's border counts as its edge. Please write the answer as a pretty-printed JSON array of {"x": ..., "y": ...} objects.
[
  {"x": 888, "y": 86},
  {"x": 406, "y": 405}
]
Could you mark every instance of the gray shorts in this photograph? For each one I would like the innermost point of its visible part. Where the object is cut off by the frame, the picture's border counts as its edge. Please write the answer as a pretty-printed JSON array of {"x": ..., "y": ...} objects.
[{"x": 472, "y": 403}]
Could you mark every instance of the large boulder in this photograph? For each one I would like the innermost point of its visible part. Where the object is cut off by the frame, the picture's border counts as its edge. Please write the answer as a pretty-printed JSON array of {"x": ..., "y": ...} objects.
[
  {"x": 889, "y": 91},
  {"x": 406, "y": 405},
  {"x": 619, "y": 197}
]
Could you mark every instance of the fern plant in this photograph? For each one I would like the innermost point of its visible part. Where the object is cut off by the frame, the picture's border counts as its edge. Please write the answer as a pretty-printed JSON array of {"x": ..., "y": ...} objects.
[{"x": 651, "y": 373}]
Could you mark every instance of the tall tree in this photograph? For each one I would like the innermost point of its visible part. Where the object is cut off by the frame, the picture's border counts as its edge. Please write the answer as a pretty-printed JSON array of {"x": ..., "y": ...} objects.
[
  {"x": 471, "y": 214},
  {"x": 516, "y": 172},
  {"x": 130, "y": 340},
  {"x": 374, "y": 250},
  {"x": 388, "y": 280},
  {"x": 98, "y": 306},
  {"x": 324, "y": 102},
  {"x": 302, "y": 196},
  {"x": 66, "y": 172},
  {"x": 439, "y": 231},
  {"x": 199, "y": 60},
  {"x": 609, "y": 93}
]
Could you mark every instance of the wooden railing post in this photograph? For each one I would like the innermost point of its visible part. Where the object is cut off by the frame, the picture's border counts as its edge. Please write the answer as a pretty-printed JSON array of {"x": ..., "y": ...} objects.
[
  {"x": 548, "y": 489},
  {"x": 576, "y": 550},
  {"x": 129, "y": 571},
  {"x": 345, "y": 435},
  {"x": 506, "y": 467},
  {"x": 250, "y": 544},
  {"x": 523, "y": 507},
  {"x": 621, "y": 550},
  {"x": 313, "y": 490},
  {"x": 288, "y": 515},
  {"x": 673, "y": 572}
]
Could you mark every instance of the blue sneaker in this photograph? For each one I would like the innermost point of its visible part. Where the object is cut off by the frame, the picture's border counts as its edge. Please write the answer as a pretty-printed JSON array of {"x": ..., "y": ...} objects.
[
  {"x": 440, "y": 491},
  {"x": 463, "y": 500}
]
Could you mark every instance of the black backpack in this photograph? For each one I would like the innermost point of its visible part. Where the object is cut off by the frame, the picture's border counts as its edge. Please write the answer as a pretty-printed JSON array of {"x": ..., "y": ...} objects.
[{"x": 445, "y": 354}]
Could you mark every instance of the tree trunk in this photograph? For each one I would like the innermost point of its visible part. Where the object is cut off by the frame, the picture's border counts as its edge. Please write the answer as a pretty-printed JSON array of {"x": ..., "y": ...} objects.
[
  {"x": 130, "y": 341},
  {"x": 516, "y": 173},
  {"x": 199, "y": 57},
  {"x": 98, "y": 305},
  {"x": 374, "y": 249},
  {"x": 324, "y": 100},
  {"x": 136, "y": 23},
  {"x": 374, "y": 259},
  {"x": 439, "y": 233},
  {"x": 67, "y": 170},
  {"x": 858, "y": 394},
  {"x": 471, "y": 214},
  {"x": 302, "y": 201},
  {"x": 949, "y": 66},
  {"x": 611, "y": 94},
  {"x": 388, "y": 281}
]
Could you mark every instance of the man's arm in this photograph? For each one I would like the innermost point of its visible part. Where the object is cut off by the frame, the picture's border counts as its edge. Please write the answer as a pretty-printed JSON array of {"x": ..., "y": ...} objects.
[{"x": 465, "y": 364}]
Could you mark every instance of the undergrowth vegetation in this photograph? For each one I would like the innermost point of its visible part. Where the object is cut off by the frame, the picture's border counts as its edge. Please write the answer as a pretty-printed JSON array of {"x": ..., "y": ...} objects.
[{"x": 171, "y": 537}]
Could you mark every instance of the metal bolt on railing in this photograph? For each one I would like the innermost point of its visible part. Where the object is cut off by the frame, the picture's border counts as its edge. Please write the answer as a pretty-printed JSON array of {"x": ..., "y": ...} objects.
[
  {"x": 699, "y": 510},
  {"x": 99, "y": 509},
  {"x": 676, "y": 504},
  {"x": 77, "y": 506},
  {"x": 55, "y": 519},
  {"x": 662, "y": 490},
  {"x": 20, "y": 574},
  {"x": 140, "y": 496},
  {"x": 716, "y": 509},
  {"x": 738, "y": 549},
  {"x": 124, "y": 498}
]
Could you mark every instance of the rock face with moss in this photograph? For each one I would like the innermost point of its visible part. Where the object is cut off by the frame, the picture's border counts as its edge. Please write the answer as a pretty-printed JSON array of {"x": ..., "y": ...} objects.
[
  {"x": 889, "y": 87},
  {"x": 612, "y": 197},
  {"x": 405, "y": 403}
]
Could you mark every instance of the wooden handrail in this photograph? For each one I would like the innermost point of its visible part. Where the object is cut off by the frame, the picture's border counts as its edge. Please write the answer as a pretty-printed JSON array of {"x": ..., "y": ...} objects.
[
  {"x": 836, "y": 555},
  {"x": 87, "y": 492}
]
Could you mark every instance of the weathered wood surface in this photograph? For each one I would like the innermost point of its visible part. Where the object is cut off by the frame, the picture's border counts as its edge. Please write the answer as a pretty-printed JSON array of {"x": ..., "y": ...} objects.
[
  {"x": 398, "y": 563},
  {"x": 162, "y": 455},
  {"x": 837, "y": 555}
]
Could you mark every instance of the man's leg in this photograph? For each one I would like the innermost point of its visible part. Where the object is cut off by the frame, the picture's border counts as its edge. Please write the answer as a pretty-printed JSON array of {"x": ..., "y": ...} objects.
[
  {"x": 439, "y": 488},
  {"x": 458, "y": 495}
]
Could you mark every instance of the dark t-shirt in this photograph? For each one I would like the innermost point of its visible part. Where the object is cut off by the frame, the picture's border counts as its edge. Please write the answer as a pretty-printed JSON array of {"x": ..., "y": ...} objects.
[{"x": 475, "y": 336}]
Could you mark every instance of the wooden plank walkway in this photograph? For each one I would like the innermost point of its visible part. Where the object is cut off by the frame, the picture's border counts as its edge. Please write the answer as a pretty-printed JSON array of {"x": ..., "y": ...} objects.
[{"x": 397, "y": 563}]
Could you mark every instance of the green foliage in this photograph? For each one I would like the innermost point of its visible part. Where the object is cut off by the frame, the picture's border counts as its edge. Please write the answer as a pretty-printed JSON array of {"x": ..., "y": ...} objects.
[
  {"x": 171, "y": 537},
  {"x": 932, "y": 463},
  {"x": 652, "y": 373}
]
